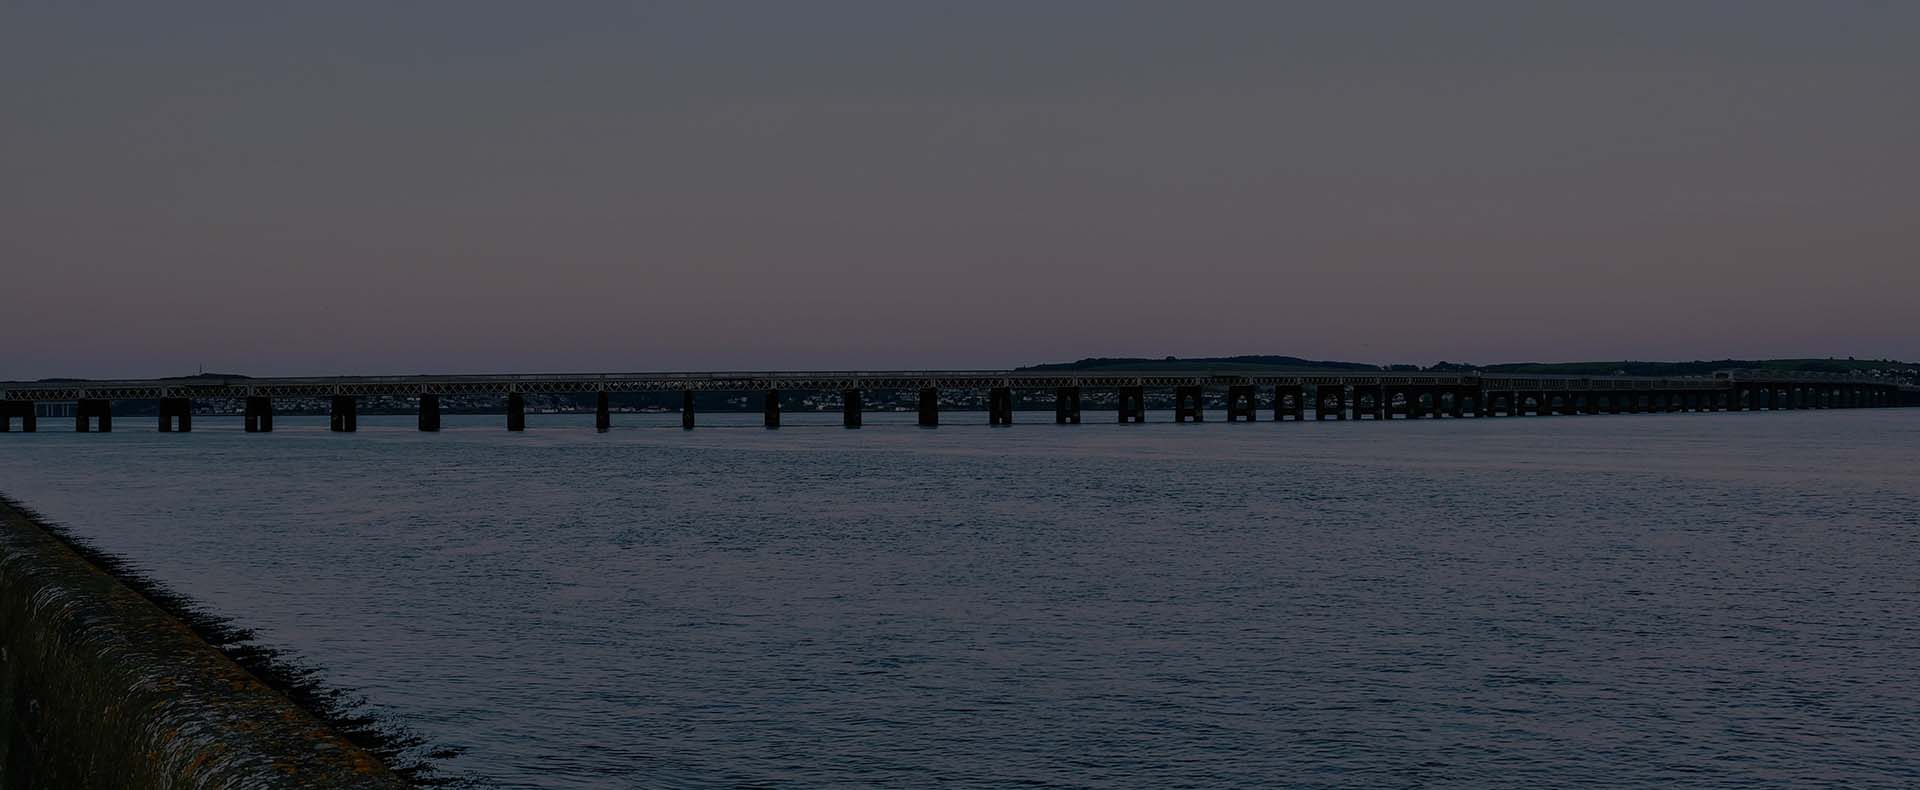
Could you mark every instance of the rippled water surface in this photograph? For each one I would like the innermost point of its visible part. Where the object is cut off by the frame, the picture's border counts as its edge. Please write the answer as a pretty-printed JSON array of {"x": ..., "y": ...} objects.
[{"x": 1720, "y": 599}]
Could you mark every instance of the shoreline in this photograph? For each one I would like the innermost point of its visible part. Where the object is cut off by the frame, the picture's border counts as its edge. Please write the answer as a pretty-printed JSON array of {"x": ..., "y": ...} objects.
[{"x": 119, "y": 681}]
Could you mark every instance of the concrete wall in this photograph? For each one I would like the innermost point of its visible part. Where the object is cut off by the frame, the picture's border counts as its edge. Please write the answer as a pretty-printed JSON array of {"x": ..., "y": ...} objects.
[{"x": 99, "y": 688}]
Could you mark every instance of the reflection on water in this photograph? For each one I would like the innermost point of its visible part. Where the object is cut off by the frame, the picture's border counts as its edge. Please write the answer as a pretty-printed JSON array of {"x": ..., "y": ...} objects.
[{"x": 1675, "y": 599}]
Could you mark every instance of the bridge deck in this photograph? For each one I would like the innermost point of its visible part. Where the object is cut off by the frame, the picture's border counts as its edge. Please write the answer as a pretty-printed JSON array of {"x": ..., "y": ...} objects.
[{"x": 201, "y": 387}]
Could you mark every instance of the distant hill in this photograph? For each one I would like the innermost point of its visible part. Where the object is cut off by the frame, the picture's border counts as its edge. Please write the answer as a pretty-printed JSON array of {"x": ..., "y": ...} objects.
[{"x": 1250, "y": 362}]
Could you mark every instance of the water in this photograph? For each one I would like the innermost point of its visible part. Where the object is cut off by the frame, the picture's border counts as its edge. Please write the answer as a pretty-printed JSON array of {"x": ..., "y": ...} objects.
[{"x": 1705, "y": 600}]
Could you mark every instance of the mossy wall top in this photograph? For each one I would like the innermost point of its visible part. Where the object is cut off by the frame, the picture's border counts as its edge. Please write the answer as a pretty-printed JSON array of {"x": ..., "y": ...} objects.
[{"x": 103, "y": 689}]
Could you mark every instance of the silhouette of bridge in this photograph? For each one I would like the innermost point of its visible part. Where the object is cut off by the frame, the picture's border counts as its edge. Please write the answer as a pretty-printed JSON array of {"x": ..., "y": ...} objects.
[{"x": 1338, "y": 395}]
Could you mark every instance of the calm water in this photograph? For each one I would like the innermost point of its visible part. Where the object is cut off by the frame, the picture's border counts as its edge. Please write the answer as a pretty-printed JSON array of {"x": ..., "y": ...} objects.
[{"x": 1725, "y": 599}]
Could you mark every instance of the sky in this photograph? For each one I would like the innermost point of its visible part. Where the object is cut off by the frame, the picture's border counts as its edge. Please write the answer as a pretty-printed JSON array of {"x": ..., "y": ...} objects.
[{"x": 439, "y": 187}]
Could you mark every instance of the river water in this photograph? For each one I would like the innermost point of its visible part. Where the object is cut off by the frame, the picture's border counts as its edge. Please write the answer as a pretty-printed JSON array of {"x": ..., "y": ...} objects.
[{"x": 1679, "y": 599}]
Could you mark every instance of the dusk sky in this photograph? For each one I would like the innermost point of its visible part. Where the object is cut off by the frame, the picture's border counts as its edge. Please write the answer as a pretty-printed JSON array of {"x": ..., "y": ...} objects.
[{"x": 348, "y": 187}]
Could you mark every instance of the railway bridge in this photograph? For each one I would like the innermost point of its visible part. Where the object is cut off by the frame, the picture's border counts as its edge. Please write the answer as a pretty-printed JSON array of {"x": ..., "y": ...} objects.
[{"x": 1337, "y": 395}]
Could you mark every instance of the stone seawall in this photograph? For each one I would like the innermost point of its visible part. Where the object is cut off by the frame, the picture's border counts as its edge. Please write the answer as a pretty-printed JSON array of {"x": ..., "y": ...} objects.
[{"x": 100, "y": 688}]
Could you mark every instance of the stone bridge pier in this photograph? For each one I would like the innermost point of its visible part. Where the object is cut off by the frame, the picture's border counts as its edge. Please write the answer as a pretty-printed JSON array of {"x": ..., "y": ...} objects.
[
  {"x": 1329, "y": 400},
  {"x": 22, "y": 409},
  {"x": 516, "y": 412},
  {"x": 1290, "y": 401},
  {"x": 1000, "y": 406},
  {"x": 1369, "y": 401},
  {"x": 97, "y": 411},
  {"x": 1133, "y": 405},
  {"x": 429, "y": 413},
  {"x": 929, "y": 407},
  {"x": 1189, "y": 404},
  {"x": 1066, "y": 406},
  {"x": 258, "y": 417},
  {"x": 345, "y": 415},
  {"x": 176, "y": 414},
  {"x": 1240, "y": 403},
  {"x": 850, "y": 408}
]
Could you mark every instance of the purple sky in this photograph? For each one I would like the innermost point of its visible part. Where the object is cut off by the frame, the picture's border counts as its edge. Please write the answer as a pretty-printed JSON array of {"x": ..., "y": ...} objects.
[{"x": 344, "y": 187}]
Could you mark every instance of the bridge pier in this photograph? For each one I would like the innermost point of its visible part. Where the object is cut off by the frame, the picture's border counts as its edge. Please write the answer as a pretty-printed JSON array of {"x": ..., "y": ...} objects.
[
  {"x": 1000, "y": 406},
  {"x": 850, "y": 408},
  {"x": 92, "y": 414},
  {"x": 429, "y": 418},
  {"x": 1187, "y": 405},
  {"x": 1066, "y": 406},
  {"x": 516, "y": 412},
  {"x": 929, "y": 407},
  {"x": 1589, "y": 402},
  {"x": 603, "y": 412},
  {"x": 176, "y": 411},
  {"x": 686, "y": 410},
  {"x": 1240, "y": 403},
  {"x": 770, "y": 409},
  {"x": 1329, "y": 399},
  {"x": 1390, "y": 394},
  {"x": 344, "y": 417},
  {"x": 1133, "y": 405},
  {"x": 1417, "y": 406},
  {"x": 1290, "y": 400},
  {"x": 23, "y": 409},
  {"x": 1458, "y": 408},
  {"x": 1369, "y": 402},
  {"x": 258, "y": 415}
]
